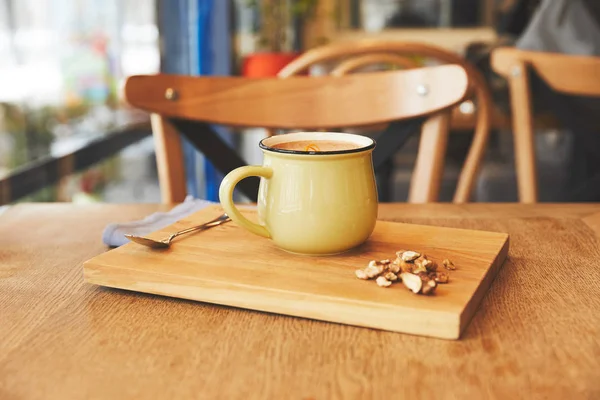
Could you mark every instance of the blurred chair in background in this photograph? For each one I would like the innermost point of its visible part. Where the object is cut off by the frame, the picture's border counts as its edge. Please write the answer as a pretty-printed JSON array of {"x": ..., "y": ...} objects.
[
  {"x": 559, "y": 84},
  {"x": 566, "y": 76},
  {"x": 350, "y": 57}
]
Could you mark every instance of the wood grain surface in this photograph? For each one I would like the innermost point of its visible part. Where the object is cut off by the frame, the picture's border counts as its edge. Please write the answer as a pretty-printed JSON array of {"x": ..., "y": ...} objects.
[
  {"x": 228, "y": 265},
  {"x": 536, "y": 334}
]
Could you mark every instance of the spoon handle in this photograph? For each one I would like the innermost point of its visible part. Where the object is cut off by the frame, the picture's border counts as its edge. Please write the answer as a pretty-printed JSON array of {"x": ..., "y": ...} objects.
[{"x": 217, "y": 221}]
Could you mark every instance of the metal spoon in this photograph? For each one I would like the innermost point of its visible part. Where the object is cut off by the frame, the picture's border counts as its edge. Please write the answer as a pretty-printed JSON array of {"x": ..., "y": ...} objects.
[{"x": 163, "y": 244}]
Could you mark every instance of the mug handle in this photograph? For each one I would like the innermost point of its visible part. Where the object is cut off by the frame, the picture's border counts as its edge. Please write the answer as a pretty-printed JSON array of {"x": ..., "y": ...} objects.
[{"x": 226, "y": 196}]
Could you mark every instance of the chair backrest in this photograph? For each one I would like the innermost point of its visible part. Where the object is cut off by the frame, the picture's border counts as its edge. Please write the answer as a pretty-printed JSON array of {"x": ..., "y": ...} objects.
[
  {"x": 295, "y": 103},
  {"x": 355, "y": 63},
  {"x": 300, "y": 102},
  {"x": 573, "y": 75},
  {"x": 426, "y": 177}
]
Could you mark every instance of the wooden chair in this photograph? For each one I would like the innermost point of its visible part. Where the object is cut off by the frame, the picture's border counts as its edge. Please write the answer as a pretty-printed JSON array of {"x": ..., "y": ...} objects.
[
  {"x": 429, "y": 165},
  {"x": 574, "y": 75},
  {"x": 188, "y": 105},
  {"x": 355, "y": 63}
]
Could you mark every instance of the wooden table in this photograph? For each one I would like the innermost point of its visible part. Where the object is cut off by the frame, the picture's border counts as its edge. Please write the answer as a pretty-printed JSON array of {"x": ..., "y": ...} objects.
[{"x": 536, "y": 335}]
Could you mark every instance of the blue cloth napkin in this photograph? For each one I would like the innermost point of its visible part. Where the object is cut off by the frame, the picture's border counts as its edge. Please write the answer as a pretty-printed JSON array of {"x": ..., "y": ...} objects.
[{"x": 113, "y": 234}]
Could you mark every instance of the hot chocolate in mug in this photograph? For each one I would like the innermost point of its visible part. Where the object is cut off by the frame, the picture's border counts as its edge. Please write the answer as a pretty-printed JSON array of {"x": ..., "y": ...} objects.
[{"x": 317, "y": 194}]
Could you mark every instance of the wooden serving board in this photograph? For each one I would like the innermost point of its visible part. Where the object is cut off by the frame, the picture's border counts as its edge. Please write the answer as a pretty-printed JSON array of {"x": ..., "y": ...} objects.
[{"x": 230, "y": 266}]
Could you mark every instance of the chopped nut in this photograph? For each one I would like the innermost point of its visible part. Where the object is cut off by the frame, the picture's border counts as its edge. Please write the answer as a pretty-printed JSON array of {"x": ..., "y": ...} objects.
[
  {"x": 373, "y": 270},
  {"x": 406, "y": 267},
  {"x": 360, "y": 274},
  {"x": 418, "y": 268},
  {"x": 425, "y": 276},
  {"x": 411, "y": 281},
  {"x": 390, "y": 276},
  {"x": 395, "y": 268},
  {"x": 409, "y": 256},
  {"x": 429, "y": 287},
  {"x": 413, "y": 269},
  {"x": 380, "y": 262},
  {"x": 403, "y": 265},
  {"x": 441, "y": 277},
  {"x": 420, "y": 264},
  {"x": 421, "y": 261},
  {"x": 382, "y": 282},
  {"x": 431, "y": 266},
  {"x": 448, "y": 264}
]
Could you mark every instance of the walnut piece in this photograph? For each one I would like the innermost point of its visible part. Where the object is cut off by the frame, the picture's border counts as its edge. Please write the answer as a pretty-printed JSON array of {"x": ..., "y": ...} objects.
[
  {"x": 409, "y": 256},
  {"x": 360, "y": 274},
  {"x": 403, "y": 265},
  {"x": 418, "y": 268},
  {"x": 395, "y": 268},
  {"x": 390, "y": 276},
  {"x": 431, "y": 266},
  {"x": 412, "y": 281},
  {"x": 422, "y": 260},
  {"x": 382, "y": 282},
  {"x": 449, "y": 265},
  {"x": 441, "y": 277},
  {"x": 373, "y": 270},
  {"x": 378, "y": 263},
  {"x": 429, "y": 286}
]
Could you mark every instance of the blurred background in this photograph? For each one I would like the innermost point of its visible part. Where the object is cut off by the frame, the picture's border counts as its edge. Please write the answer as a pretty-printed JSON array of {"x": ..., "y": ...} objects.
[{"x": 67, "y": 135}]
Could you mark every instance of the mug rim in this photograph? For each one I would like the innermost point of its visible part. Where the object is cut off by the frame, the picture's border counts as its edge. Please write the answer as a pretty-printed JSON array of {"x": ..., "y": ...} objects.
[{"x": 366, "y": 143}]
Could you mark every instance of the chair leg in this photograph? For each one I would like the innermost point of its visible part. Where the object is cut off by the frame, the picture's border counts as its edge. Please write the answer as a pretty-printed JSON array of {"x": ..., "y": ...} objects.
[
  {"x": 479, "y": 144},
  {"x": 427, "y": 175},
  {"x": 523, "y": 134},
  {"x": 169, "y": 160}
]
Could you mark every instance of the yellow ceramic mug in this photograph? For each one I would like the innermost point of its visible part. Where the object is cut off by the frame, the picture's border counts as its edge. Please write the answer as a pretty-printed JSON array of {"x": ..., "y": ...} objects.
[{"x": 310, "y": 203}]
